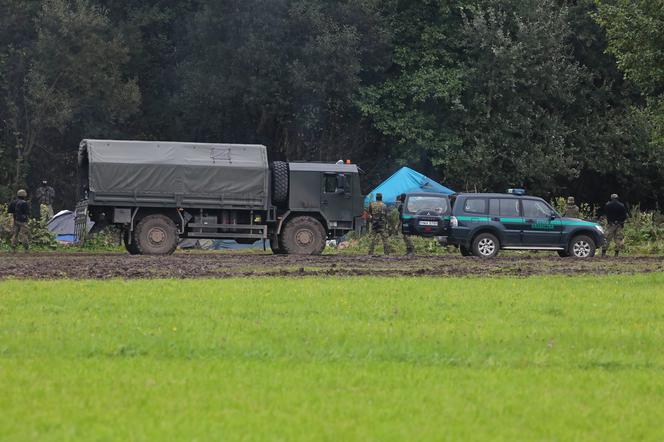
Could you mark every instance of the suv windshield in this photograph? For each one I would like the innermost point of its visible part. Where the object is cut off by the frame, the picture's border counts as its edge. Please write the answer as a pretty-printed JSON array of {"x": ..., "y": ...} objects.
[{"x": 435, "y": 204}]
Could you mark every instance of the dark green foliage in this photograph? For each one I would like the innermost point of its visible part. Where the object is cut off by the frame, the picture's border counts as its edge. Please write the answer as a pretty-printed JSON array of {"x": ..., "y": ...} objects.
[
  {"x": 40, "y": 237},
  {"x": 481, "y": 94},
  {"x": 635, "y": 31}
]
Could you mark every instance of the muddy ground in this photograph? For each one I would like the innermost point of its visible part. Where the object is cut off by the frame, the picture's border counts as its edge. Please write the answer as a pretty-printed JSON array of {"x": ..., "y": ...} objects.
[{"x": 223, "y": 265}]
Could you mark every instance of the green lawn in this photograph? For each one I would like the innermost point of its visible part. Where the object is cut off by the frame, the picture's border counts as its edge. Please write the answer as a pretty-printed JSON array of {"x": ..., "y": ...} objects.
[{"x": 546, "y": 358}]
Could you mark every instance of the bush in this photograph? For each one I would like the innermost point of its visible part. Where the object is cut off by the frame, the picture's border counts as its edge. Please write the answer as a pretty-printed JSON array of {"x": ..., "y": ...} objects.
[
  {"x": 40, "y": 237},
  {"x": 644, "y": 233},
  {"x": 107, "y": 240},
  {"x": 359, "y": 244}
]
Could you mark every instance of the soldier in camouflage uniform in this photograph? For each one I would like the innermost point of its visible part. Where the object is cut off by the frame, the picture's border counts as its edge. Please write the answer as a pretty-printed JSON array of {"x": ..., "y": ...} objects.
[
  {"x": 378, "y": 218},
  {"x": 616, "y": 215},
  {"x": 571, "y": 209},
  {"x": 20, "y": 210},
  {"x": 410, "y": 248},
  {"x": 45, "y": 195}
]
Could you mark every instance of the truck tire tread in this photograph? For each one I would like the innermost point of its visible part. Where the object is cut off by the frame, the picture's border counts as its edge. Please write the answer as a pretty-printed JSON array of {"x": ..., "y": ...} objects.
[
  {"x": 164, "y": 225},
  {"x": 306, "y": 228},
  {"x": 279, "y": 182}
]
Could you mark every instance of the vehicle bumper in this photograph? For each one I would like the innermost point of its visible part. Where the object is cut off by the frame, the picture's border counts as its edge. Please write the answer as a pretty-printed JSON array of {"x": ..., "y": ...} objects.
[
  {"x": 427, "y": 232},
  {"x": 459, "y": 236}
]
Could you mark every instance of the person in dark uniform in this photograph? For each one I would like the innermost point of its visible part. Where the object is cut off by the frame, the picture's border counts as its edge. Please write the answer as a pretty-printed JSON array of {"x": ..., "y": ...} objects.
[
  {"x": 378, "y": 218},
  {"x": 410, "y": 247},
  {"x": 20, "y": 209},
  {"x": 616, "y": 215}
]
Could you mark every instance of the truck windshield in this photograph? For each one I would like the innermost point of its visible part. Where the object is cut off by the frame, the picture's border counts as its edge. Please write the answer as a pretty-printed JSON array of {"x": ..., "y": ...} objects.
[{"x": 436, "y": 204}]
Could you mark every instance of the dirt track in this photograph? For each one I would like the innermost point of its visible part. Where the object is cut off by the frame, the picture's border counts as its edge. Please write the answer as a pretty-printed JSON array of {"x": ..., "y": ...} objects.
[{"x": 223, "y": 265}]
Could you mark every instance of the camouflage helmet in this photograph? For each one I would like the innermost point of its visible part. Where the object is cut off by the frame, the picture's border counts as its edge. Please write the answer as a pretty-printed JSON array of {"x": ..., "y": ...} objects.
[
  {"x": 379, "y": 197},
  {"x": 22, "y": 194}
]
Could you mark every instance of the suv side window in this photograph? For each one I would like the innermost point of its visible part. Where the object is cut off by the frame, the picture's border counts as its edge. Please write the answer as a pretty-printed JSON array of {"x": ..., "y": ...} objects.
[
  {"x": 507, "y": 207},
  {"x": 475, "y": 205},
  {"x": 535, "y": 209}
]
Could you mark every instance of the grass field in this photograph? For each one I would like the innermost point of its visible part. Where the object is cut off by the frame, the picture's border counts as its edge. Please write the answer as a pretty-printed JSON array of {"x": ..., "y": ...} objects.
[{"x": 541, "y": 358}]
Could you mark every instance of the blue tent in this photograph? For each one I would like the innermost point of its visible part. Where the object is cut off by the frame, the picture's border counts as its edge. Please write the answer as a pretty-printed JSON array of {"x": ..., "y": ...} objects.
[{"x": 405, "y": 180}]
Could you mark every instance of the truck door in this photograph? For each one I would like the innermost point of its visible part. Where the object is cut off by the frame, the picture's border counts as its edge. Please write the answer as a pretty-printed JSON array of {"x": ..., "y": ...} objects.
[{"x": 336, "y": 198}]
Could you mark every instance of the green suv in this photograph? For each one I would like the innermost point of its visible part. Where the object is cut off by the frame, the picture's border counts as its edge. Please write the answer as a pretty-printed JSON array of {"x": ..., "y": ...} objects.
[{"x": 481, "y": 224}]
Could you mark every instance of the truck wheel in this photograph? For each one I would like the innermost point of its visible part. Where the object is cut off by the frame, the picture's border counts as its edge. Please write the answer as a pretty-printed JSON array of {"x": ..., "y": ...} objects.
[
  {"x": 156, "y": 235},
  {"x": 131, "y": 248},
  {"x": 303, "y": 235},
  {"x": 276, "y": 247},
  {"x": 279, "y": 182},
  {"x": 485, "y": 245},
  {"x": 582, "y": 246}
]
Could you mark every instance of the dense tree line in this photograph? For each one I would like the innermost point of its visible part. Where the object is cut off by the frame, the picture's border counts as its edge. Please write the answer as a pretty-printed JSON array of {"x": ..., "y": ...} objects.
[{"x": 558, "y": 96}]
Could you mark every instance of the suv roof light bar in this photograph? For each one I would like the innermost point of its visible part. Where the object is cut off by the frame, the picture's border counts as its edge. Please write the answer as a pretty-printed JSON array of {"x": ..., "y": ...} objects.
[{"x": 516, "y": 191}]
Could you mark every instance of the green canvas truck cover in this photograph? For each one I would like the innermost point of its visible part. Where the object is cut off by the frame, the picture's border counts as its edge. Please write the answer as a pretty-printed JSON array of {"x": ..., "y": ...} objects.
[{"x": 174, "y": 173}]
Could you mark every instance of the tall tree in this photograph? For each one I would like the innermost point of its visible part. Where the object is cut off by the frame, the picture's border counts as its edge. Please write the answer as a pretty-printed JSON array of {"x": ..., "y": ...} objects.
[
  {"x": 72, "y": 80},
  {"x": 284, "y": 73},
  {"x": 635, "y": 31}
]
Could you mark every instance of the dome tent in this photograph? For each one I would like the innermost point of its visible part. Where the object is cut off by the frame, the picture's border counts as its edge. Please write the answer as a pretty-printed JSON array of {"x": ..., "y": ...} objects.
[
  {"x": 63, "y": 226},
  {"x": 405, "y": 180}
]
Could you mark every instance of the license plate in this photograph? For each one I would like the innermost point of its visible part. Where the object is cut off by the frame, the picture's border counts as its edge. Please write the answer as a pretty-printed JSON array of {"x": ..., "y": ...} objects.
[{"x": 428, "y": 223}]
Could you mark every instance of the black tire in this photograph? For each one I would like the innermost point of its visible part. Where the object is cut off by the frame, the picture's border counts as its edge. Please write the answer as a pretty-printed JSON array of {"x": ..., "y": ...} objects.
[
  {"x": 582, "y": 247},
  {"x": 563, "y": 253},
  {"x": 465, "y": 251},
  {"x": 303, "y": 235},
  {"x": 276, "y": 248},
  {"x": 156, "y": 235},
  {"x": 131, "y": 247},
  {"x": 279, "y": 182},
  {"x": 485, "y": 245}
]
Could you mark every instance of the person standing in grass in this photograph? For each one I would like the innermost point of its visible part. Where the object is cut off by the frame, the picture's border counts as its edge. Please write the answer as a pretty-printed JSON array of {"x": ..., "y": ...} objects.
[
  {"x": 20, "y": 209},
  {"x": 410, "y": 248},
  {"x": 571, "y": 209},
  {"x": 378, "y": 219},
  {"x": 616, "y": 215},
  {"x": 45, "y": 196}
]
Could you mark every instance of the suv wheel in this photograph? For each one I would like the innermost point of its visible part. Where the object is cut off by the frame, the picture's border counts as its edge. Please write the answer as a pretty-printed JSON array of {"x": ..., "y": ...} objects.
[
  {"x": 485, "y": 245},
  {"x": 582, "y": 246},
  {"x": 303, "y": 235},
  {"x": 156, "y": 235}
]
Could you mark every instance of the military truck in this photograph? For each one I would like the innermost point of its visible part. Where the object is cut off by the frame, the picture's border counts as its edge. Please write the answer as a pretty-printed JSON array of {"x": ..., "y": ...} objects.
[{"x": 161, "y": 192}]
